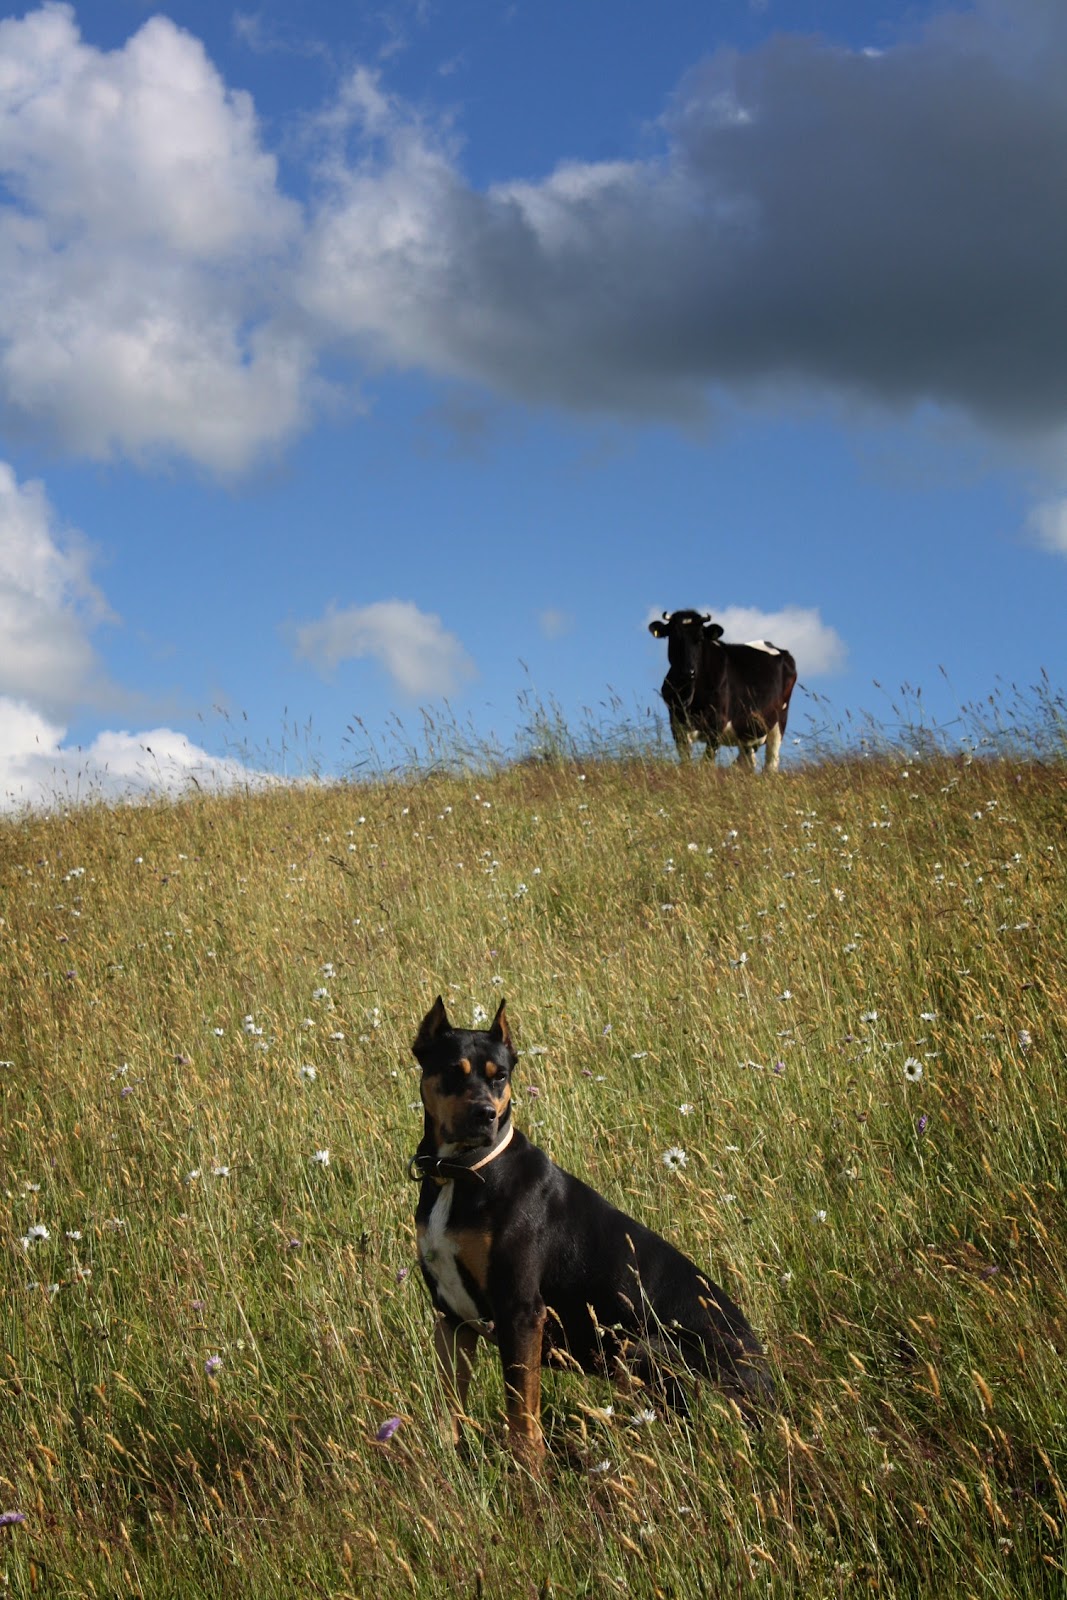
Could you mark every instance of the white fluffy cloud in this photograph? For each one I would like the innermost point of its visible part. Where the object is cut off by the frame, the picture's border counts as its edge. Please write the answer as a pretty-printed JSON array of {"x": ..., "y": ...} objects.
[
  {"x": 38, "y": 769},
  {"x": 414, "y": 647},
  {"x": 143, "y": 144},
  {"x": 140, "y": 244},
  {"x": 818, "y": 648},
  {"x": 49, "y": 606},
  {"x": 49, "y": 668}
]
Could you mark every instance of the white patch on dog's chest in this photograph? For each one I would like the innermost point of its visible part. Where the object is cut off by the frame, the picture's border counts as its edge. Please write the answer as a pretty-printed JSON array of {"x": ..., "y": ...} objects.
[{"x": 438, "y": 1255}]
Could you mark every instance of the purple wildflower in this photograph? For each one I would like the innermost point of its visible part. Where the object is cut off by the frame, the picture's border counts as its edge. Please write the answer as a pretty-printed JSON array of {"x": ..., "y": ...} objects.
[
  {"x": 923, "y": 1123},
  {"x": 387, "y": 1429},
  {"x": 8, "y": 1519},
  {"x": 212, "y": 1365}
]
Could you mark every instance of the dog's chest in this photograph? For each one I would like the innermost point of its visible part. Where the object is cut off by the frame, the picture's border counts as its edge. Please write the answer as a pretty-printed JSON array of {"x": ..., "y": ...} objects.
[{"x": 441, "y": 1252}]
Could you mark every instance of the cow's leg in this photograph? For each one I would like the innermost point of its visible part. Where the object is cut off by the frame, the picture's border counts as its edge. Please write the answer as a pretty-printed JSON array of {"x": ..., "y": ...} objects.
[
  {"x": 774, "y": 745},
  {"x": 682, "y": 739},
  {"x": 746, "y": 757}
]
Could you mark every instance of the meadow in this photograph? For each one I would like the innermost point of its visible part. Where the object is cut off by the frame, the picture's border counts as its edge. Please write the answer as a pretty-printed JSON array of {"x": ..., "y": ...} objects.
[{"x": 814, "y": 1029}]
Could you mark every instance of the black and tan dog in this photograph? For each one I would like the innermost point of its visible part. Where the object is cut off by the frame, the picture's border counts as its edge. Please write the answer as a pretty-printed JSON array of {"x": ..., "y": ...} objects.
[{"x": 515, "y": 1250}]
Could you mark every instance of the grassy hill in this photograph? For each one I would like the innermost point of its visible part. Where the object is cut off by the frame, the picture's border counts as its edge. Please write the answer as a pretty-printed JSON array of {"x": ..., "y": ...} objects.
[{"x": 842, "y": 995}]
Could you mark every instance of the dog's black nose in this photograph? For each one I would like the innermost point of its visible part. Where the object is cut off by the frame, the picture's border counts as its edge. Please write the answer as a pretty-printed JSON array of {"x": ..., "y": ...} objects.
[{"x": 482, "y": 1114}]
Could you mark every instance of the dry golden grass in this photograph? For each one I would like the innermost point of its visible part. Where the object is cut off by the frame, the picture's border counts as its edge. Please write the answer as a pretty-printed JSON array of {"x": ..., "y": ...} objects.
[{"x": 842, "y": 994}]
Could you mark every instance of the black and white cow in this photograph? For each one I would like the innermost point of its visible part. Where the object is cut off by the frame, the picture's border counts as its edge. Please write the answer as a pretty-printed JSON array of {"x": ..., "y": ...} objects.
[{"x": 725, "y": 694}]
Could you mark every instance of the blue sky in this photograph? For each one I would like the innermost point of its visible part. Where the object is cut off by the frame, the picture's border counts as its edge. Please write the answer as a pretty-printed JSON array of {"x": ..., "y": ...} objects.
[{"x": 365, "y": 363}]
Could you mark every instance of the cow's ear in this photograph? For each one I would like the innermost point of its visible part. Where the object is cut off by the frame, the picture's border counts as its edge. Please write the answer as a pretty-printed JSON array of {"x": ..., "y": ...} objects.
[
  {"x": 712, "y": 631},
  {"x": 658, "y": 628},
  {"x": 433, "y": 1023}
]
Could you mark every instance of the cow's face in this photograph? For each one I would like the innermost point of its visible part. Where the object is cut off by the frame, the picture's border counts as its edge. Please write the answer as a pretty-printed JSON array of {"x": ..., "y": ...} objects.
[{"x": 686, "y": 633}]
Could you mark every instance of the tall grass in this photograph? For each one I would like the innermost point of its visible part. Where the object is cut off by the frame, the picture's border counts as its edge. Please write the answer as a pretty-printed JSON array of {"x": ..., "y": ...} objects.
[{"x": 841, "y": 993}]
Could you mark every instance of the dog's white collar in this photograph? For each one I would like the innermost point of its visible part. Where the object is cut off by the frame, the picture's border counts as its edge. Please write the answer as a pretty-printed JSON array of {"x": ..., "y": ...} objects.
[
  {"x": 444, "y": 1168},
  {"x": 497, "y": 1150}
]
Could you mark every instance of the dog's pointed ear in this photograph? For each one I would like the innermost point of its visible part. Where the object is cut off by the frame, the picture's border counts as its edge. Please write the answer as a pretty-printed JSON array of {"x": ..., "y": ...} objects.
[
  {"x": 499, "y": 1032},
  {"x": 434, "y": 1022}
]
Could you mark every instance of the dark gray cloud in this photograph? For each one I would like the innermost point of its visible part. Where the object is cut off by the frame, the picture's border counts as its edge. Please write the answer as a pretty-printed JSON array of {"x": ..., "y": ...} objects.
[
  {"x": 887, "y": 224},
  {"x": 905, "y": 213}
]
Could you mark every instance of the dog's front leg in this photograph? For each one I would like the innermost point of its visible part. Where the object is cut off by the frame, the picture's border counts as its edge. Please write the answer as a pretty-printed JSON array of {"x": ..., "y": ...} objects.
[
  {"x": 455, "y": 1344},
  {"x": 520, "y": 1354}
]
